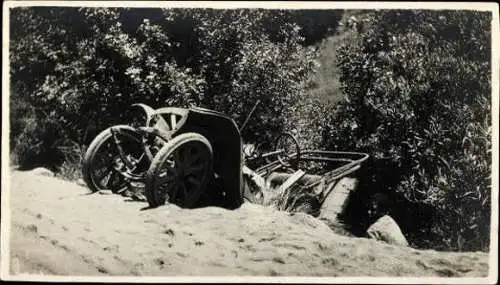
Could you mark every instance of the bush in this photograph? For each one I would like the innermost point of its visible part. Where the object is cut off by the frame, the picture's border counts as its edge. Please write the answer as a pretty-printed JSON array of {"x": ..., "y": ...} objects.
[
  {"x": 242, "y": 62},
  {"x": 80, "y": 68},
  {"x": 417, "y": 98},
  {"x": 35, "y": 137}
]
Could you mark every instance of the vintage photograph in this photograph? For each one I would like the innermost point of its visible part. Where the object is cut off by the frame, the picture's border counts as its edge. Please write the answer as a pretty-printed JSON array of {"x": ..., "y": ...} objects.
[{"x": 164, "y": 141}]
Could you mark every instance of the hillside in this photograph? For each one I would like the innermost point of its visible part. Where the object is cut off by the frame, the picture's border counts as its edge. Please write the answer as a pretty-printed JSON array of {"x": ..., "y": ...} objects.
[
  {"x": 58, "y": 229},
  {"x": 325, "y": 84}
]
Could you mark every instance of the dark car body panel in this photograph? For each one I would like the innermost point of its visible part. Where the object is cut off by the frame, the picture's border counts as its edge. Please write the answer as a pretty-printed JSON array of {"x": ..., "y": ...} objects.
[{"x": 224, "y": 136}]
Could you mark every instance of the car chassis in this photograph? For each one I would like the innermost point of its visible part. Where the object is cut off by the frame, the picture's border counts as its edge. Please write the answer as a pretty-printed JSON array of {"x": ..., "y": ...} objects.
[{"x": 195, "y": 156}]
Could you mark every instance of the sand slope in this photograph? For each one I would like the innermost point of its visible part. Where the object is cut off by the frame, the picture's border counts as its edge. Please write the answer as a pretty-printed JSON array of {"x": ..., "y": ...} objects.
[{"x": 57, "y": 228}]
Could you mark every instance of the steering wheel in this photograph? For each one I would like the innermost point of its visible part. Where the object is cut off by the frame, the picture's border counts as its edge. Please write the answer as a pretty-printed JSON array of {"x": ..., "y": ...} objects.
[{"x": 289, "y": 154}]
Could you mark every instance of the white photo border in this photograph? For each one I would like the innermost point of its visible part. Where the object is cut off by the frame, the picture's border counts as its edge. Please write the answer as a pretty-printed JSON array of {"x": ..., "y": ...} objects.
[{"x": 5, "y": 171}]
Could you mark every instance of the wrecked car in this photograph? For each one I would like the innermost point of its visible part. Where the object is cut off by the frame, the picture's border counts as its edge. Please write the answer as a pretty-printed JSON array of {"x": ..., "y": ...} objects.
[{"x": 194, "y": 156}]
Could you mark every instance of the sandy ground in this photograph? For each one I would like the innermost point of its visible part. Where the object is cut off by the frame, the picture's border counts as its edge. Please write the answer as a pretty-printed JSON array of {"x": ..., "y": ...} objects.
[{"x": 59, "y": 229}]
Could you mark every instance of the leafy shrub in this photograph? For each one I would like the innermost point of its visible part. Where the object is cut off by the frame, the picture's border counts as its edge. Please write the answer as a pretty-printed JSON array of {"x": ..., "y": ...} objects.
[
  {"x": 80, "y": 68},
  {"x": 36, "y": 137},
  {"x": 242, "y": 62},
  {"x": 417, "y": 89}
]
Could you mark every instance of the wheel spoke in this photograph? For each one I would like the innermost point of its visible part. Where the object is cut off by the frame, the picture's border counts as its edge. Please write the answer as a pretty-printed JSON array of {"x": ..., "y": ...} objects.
[
  {"x": 110, "y": 180},
  {"x": 192, "y": 180},
  {"x": 105, "y": 173},
  {"x": 137, "y": 160},
  {"x": 194, "y": 169},
  {"x": 164, "y": 178},
  {"x": 173, "y": 120}
]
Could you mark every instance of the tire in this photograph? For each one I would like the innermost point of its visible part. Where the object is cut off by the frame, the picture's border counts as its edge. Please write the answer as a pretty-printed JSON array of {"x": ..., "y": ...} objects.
[
  {"x": 162, "y": 187},
  {"x": 94, "y": 150}
]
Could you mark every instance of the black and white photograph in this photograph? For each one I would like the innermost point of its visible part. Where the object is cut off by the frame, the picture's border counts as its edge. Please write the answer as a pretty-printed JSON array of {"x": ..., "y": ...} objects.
[{"x": 226, "y": 141}]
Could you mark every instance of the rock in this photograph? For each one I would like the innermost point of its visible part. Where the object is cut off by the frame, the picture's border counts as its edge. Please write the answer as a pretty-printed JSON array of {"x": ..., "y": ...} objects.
[
  {"x": 386, "y": 229},
  {"x": 43, "y": 172}
]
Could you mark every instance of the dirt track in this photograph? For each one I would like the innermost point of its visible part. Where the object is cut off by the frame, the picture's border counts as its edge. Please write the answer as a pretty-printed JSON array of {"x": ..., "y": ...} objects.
[{"x": 58, "y": 229}]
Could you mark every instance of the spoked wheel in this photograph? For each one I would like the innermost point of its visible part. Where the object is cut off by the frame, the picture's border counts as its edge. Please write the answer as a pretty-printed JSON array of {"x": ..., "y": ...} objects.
[
  {"x": 180, "y": 171},
  {"x": 289, "y": 150},
  {"x": 104, "y": 168}
]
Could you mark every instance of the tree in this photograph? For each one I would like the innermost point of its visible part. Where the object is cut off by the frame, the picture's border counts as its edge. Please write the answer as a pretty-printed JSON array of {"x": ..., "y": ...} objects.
[
  {"x": 80, "y": 68},
  {"x": 417, "y": 87}
]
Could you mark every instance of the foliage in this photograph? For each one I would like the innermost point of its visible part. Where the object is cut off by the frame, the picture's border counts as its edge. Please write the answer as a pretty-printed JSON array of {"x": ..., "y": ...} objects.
[
  {"x": 417, "y": 89},
  {"x": 34, "y": 145},
  {"x": 79, "y": 69},
  {"x": 242, "y": 63}
]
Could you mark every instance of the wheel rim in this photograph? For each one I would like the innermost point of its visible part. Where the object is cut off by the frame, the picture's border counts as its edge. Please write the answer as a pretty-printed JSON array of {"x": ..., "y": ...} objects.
[
  {"x": 108, "y": 172},
  {"x": 183, "y": 174}
]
